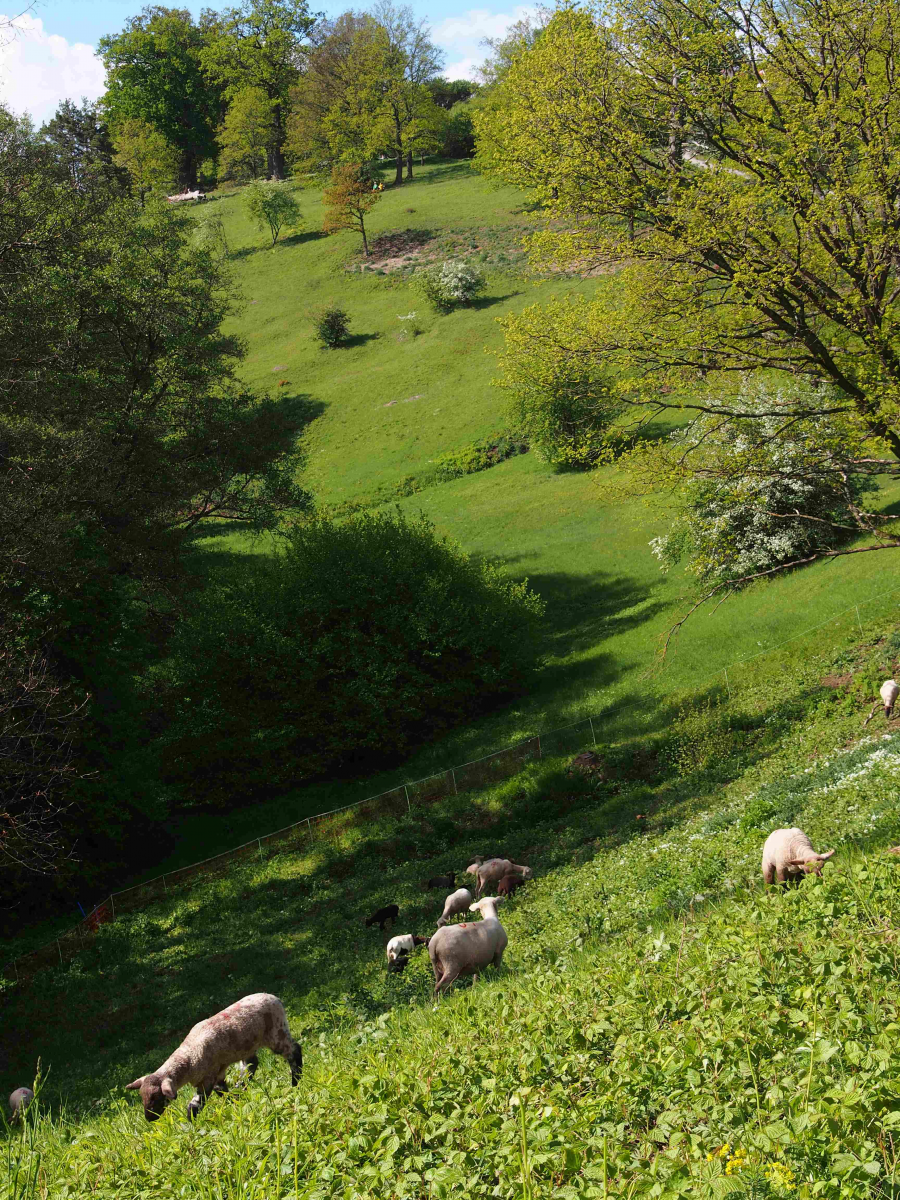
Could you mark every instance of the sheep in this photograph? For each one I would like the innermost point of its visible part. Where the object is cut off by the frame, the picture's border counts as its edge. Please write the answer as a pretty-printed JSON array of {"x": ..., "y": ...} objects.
[
  {"x": 403, "y": 943},
  {"x": 380, "y": 918},
  {"x": 889, "y": 691},
  {"x": 441, "y": 881},
  {"x": 509, "y": 884},
  {"x": 456, "y": 902},
  {"x": 462, "y": 949},
  {"x": 788, "y": 855},
  {"x": 494, "y": 869},
  {"x": 210, "y": 1048},
  {"x": 19, "y": 1101},
  {"x": 472, "y": 868}
]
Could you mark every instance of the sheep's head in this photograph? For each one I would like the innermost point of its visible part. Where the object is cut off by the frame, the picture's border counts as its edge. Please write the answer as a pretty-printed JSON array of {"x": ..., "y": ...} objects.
[
  {"x": 527, "y": 872},
  {"x": 157, "y": 1091},
  {"x": 811, "y": 865},
  {"x": 489, "y": 901}
]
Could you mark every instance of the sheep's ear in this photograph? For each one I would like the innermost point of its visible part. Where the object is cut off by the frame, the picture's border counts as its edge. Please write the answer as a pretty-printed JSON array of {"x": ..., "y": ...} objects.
[
  {"x": 168, "y": 1089},
  {"x": 135, "y": 1085},
  {"x": 797, "y": 862},
  {"x": 498, "y": 899},
  {"x": 825, "y": 857}
]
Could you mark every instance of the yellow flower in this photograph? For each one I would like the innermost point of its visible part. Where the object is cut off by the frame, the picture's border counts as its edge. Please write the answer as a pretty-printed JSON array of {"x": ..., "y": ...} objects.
[{"x": 781, "y": 1175}]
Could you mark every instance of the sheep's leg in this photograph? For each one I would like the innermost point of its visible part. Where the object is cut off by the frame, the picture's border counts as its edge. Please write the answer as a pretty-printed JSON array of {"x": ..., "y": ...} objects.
[
  {"x": 447, "y": 978},
  {"x": 196, "y": 1105},
  {"x": 769, "y": 874},
  {"x": 296, "y": 1064},
  {"x": 250, "y": 1066},
  {"x": 221, "y": 1088},
  {"x": 498, "y": 958}
]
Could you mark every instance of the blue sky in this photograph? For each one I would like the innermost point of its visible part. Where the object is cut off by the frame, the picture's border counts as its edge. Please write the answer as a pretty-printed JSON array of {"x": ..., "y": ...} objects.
[{"x": 52, "y": 56}]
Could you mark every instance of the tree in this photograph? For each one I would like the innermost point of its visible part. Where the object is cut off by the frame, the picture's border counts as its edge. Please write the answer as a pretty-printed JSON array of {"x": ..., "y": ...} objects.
[
  {"x": 422, "y": 60},
  {"x": 154, "y": 74},
  {"x": 123, "y": 425},
  {"x": 79, "y": 139},
  {"x": 272, "y": 205},
  {"x": 142, "y": 151},
  {"x": 247, "y": 137},
  {"x": 348, "y": 199},
  {"x": 739, "y": 168},
  {"x": 326, "y": 79},
  {"x": 258, "y": 45},
  {"x": 446, "y": 93}
]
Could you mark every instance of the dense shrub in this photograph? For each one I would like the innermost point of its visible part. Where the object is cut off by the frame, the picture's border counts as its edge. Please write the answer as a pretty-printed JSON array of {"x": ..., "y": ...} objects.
[
  {"x": 450, "y": 284},
  {"x": 355, "y": 643},
  {"x": 332, "y": 326}
]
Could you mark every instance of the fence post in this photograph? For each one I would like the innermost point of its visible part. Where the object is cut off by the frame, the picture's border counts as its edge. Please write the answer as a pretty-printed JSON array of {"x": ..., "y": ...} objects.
[
  {"x": 165, "y": 886},
  {"x": 858, "y": 621},
  {"x": 453, "y": 777},
  {"x": 408, "y": 805},
  {"x": 59, "y": 950},
  {"x": 112, "y": 905},
  {"x": 259, "y": 846},
  {"x": 593, "y": 735},
  {"x": 540, "y": 752},
  {"x": 727, "y": 684}
]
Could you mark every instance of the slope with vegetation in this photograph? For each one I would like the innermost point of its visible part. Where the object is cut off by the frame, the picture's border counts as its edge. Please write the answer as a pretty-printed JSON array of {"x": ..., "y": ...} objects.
[{"x": 660, "y": 1026}]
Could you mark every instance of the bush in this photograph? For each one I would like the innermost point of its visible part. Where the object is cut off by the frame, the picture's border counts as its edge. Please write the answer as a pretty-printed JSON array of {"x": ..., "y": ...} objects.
[
  {"x": 273, "y": 206},
  {"x": 356, "y": 643},
  {"x": 332, "y": 326},
  {"x": 450, "y": 284}
]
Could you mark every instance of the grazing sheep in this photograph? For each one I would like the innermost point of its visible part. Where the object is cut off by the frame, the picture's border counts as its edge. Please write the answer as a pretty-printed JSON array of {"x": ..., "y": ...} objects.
[
  {"x": 509, "y": 884},
  {"x": 456, "y": 902},
  {"x": 210, "y": 1048},
  {"x": 462, "y": 949},
  {"x": 441, "y": 881},
  {"x": 492, "y": 871},
  {"x": 403, "y": 943},
  {"x": 19, "y": 1101},
  {"x": 472, "y": 868},
  {"x": 788, "y": 855},
  {"x": 889, "y": 691},
  {"x": 380, "y": 918},
  {"x": 398, "y": 965}
]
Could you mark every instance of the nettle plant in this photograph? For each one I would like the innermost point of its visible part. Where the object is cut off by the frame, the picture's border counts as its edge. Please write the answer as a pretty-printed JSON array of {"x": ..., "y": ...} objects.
[{"x": 450, "y": 284}]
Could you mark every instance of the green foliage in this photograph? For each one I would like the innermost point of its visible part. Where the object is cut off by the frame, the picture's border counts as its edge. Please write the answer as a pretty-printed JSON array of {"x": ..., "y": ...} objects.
[
  {"x": 677, "y": 1031},
  {"x": 247, "y": 136},
  {"x": 142, "y": 151},
  {"x": 332, "y": 326},
  {"x": 351, "y": 194},
  {"x": 253, "y": 52},
  {"x": 273, "y": 206},
  {"x": 154, "y": 74},
  {"x": 354, "y": 644},
  {"x": 450, "y": 284},
  {"x": 81, "y": 144}
]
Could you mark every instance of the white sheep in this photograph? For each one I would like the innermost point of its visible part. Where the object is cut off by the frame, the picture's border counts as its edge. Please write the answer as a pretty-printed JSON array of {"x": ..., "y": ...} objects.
[
  {"x": 403, "y": 943},
  {"x": 889, "y": 691},
  {"x": 462, "y": 949},
  {"x": 19, "y": 1101},
  {"x": 212, "y": 1046},
  {"x": 491, "y": 872},
  {"x": 456, "y": 902},
  {"x": 788, "y": 855}
]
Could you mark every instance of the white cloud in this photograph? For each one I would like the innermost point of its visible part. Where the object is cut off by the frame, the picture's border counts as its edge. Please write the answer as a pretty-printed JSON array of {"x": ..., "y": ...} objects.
[
  {"x": 462, "y": 36},
  {"x": 39, "y": 69}
]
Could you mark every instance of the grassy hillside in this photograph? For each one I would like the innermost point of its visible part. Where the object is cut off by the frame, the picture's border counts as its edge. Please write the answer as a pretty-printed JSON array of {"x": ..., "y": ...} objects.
[{"x": 660, "y": 1026}]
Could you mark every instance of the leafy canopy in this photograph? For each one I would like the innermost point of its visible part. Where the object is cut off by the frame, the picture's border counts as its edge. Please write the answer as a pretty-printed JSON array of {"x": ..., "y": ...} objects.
[{"x": 738, "y": 166}]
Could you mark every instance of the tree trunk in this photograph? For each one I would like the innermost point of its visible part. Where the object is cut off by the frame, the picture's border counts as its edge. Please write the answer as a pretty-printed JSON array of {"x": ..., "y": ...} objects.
[
  {"x": 362, "y": 230},
  {"x": 187, "y": 171},
  {"x": 276, "y": 154},
  {"x": 409, "y": 173},
  {"x": 398, "y": 176}
]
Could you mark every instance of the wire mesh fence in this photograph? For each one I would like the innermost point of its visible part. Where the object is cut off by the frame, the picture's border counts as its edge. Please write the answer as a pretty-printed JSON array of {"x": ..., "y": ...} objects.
[{"x": 468, "y": 777}]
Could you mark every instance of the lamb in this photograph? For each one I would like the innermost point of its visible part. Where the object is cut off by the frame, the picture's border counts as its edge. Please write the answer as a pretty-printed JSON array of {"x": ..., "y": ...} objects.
[
  {"x": 889, "y": 691},
  {"x": 456, "y": 902},
  {"x": 441, "y": 881},
  {"x": 509, "y": 884},
  {"x": 403, "y": 943},
  {"x": 380, "y": 918},
  {"x": 210, "y": 1048},
  {"x": 19, "y": 1101},
  {"x": 462, "y": 949},
  {"x": 788, "y": 855},
  {"x": 492, "y": 871}
]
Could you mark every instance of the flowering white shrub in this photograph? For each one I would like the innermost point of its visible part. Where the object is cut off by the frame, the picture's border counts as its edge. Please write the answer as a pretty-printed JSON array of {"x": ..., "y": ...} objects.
[
  {"x": 768, "y": 487},
  {"x": 450, "y": 284}
]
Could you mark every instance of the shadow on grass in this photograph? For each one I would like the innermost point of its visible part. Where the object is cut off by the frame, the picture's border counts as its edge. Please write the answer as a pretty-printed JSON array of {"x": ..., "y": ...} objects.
[
  {"x": 293, "y": 924},
  {"x": 490, "y": 301},
  {"x": 356, "y": 339}
]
